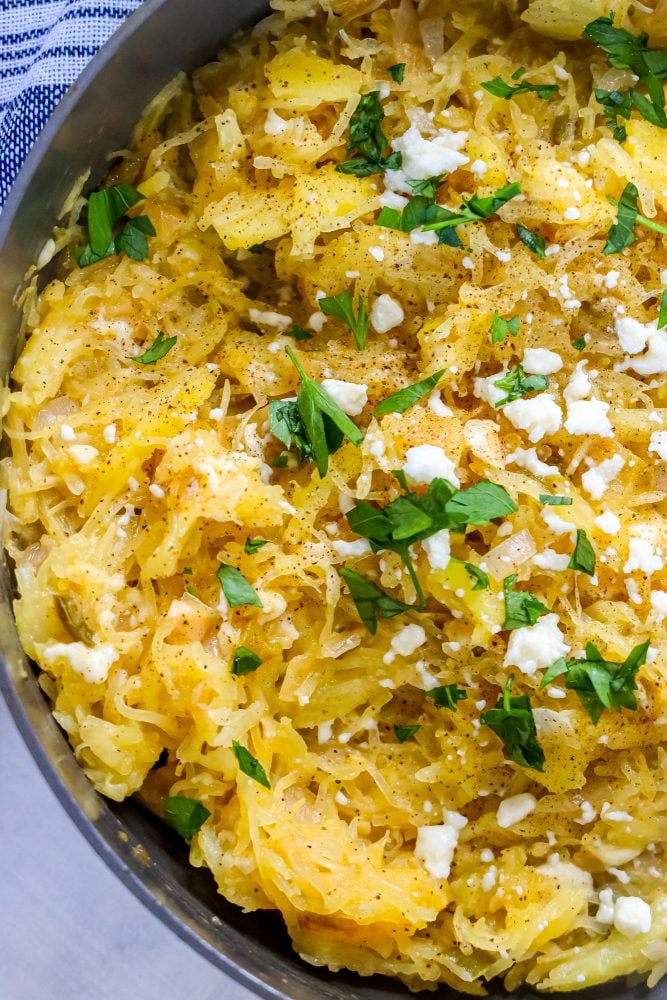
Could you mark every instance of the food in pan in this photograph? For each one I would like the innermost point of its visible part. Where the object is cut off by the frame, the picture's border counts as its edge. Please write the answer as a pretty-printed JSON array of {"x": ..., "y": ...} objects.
[{"x": 337, "y": 486}]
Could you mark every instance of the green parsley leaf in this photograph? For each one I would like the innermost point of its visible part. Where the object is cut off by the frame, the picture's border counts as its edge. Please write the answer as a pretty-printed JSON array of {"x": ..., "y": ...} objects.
[
  {"x": 616, "y": 104},
  {"x": 600, "y": 683},
  {"x": 186, "y": 815},
  {"x": 579, "y": 344},
  {"x": 371, "y": 602},
  {"x": 314, "y": 423},
  {"x": 250, "y": 765},
  {"x": 402, "y": 400},
  {"x": 498, "y": 87},
  {"x": 160, "y": 346},
  {"x": 342, "y": 308},
  {"x": 404, "y": 733},
  {"x": 534, "y": 242},
  {"x": 555, "y": 501},
  {"x": 367, "y": 139},
  {"x": 245, "y": 661},
  {"x": 621, "y": 234},
  {"x": 521, "y": 607},
  {"x": 478, "y": 504},
  {"x": 513, "y": 722},
  {"x": 502, "y": 328},
  {"x": 481, "y": 578},
  {"x": 662, "y": 318},
  {"x": 397, "y": 72},
  {"x": 447, "y": 695},
  {"x": 253, "y": 545},
  {"x": 426, "y": 188},
  {"x": 105, "y": 209},
  {"x": 298, "y": 333},
  {"x": 517, "y": 384},
  {"x": 421, "y": 211},
  {"x": 625, "y": 50},
  {"x": 132, "y": 240},
  {"x": 236, "y": 588},
  {"x": 257, "y": 248},
  {"x": 583, "y": 557}
]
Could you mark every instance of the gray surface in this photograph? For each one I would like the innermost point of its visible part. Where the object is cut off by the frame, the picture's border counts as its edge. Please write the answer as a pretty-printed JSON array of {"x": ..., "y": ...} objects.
[{"x": 70, "y": 929}]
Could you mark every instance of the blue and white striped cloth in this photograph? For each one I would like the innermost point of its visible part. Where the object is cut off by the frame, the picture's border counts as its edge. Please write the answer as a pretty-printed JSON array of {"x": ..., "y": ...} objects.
[{"x": 44, "y": 45}]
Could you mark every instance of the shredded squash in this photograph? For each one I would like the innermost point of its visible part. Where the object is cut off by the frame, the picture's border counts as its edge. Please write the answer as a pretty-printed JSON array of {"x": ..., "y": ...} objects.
[{"x": 428, "y": 853}]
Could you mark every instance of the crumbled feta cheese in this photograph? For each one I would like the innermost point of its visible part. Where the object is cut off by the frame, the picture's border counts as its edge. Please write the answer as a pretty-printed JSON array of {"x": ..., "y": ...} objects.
[
  {"x": 527, "y": 459},
  {"x": 642, "y": 557},
  {"x": 572, "y": 213},
  {"x": 632, "y": 916},
  {"x": 551, "y": 560},
  {"x": 598, "y": 477},
  {"x": 589, "y": 416},
  {"x": 423, "y": 158},
  {"x": 359, "y": 547},
  {"x": 608, "y": 522},
  {"x": 611, "y": 279},
  {"x": 389, "y": 199},
  {"x": 536, "y": 647},
  {"x": 486, "y": 856},
  {"x": 659, "y": 605},
  {"x": 436, "y": 405},
  {"x": 633, "y": 337},
  {"x": 437, "y": 549},
  {"x": 556, "y": 523},
  {"x": 606, "y": 908},
  {"x": 539, "y": 416},
  {"x": 658, "y": 444},
  {"x": 588, "y": 813},
  {"x": 436, "y": 844},
  {"x": 92, "y": 662},
  {"x": 540, "y": 361},
  {"x": 377, "y": 253},
  {"x": 406, "y": 641},
  {"x": 109, "y": 434},
  {"x": 579, "y": 385},
  {"x": 428, "y": 238},
  {"x": 67, "y": 433},
  {"x": 269, "y": 318},
  {"x": 386, "y": 313},
  {"x": 426, "y": 462},
  {"x": 83, "y": 454},
  {"x": 489, "y": 878},
  {"x": 324, "y": 732},
  {"x": 350, "y": 396},
  {"x": 479, "y": 168},
  {"x": 156, "y": 491},
  {"x": 514, "y": 809}
]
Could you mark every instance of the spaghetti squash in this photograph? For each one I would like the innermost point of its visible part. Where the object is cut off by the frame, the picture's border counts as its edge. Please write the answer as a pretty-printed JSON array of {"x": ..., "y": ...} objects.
[{"x": 337, "y": 484}]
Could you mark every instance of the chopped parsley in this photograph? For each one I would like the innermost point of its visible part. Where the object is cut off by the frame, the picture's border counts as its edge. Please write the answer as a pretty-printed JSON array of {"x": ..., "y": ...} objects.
[
  {"x": 397, "y": 72},
  {"x": 521, "y": 607},
  {"x": 503, "y": 328},
  {"x": 416, "y": 516},
  {"x": 534, "y": 242},
  {"x": 447, "y": 695},
  {"x": 368, "y": 141},
  {"x": 250, "y": 765},
  {"x": 662, "y": 317},
  {"x": 621, "y": 234},
  {"x": 402, "y": 400},
  {"x": 422, "y": 211},
  {"x": 517, "y": 384},
  {"x": 342, "y": 307},
  {"x": 186, "y": 815},
  {"x": 513, "y": 722},
  {"x": 480, "y": 577},
  {"x": 499, "y": 88},
  {"x": 253, "y": 545},
  {"x": 105, "y": 209},
  {"x": 313, "y": 423},
  {"x": 579, "y": 344},
  {"x": 627, "y": 51},
  {"x": 555, "y": 501},
  {"x": 371, "y": 602},
  {"x": 158, "y": 349},
  {"x": 583, "y": 557},
  {"x": 236, "y": 588},
  {"x": 405, "y": 733},
  {"x": 245, "y": 661},
  {"x": 600, "y": 683}
]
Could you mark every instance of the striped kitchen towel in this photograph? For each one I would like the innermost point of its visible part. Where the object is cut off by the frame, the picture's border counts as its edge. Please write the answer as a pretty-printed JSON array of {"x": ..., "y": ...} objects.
[{"x": 44, "y": 45}]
